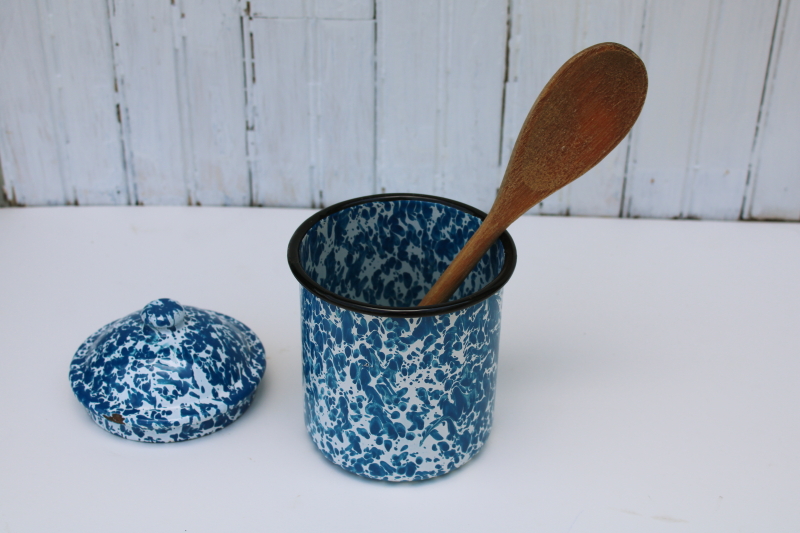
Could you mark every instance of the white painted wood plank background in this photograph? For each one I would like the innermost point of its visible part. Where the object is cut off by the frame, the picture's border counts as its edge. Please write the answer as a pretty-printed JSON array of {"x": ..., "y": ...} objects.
[
  {"x": 692, "y": 147},
  {"x": 308, "y": 102},
  {"x": 440, "y": 98},
  {"x": 84, "y": 101},
  {"x": 149, "y": 72},
  {"x": 775, "y": 180},
  {"x": 212, "y": 31},
  {"x": 30, "y": 146}
]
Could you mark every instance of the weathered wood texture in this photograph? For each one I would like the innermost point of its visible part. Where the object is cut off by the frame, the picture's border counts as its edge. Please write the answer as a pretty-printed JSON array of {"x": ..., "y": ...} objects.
[
  {"x": 440, "y": 93},
  {"x": 179, "y": 70},
  {"x": 691, "y": 151},
  {"x": 307, "y": 102},
  {"x": 312, "y": 87},
  {"x": 774, "y": 185}
]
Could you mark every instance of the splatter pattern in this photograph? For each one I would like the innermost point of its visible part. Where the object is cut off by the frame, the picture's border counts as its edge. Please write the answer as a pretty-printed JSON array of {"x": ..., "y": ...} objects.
[
  {"x": 168, "y": 373},
  {"x": 397, "y": 398},
  {"x": 391, "y": 253}
]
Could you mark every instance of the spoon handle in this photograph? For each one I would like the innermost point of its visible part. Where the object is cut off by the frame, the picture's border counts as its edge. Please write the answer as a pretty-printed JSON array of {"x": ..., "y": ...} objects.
[
  {"x": 463, "y": 264},
  {"x": 512, "y": 201}
]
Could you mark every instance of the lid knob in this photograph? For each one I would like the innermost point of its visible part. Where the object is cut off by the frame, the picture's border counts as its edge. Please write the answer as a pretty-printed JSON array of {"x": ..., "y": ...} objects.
[{"x": 163, "y": 314}]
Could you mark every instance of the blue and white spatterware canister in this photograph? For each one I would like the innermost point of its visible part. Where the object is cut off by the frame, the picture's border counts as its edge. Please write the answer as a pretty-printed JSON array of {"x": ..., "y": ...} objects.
[
  {"x": 168, "y": 372},
  {"x": 392, "y": 391}
]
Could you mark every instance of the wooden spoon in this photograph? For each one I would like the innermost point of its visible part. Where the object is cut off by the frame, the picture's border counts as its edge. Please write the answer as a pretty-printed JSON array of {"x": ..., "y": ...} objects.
[{"x": 583, "y": 112}]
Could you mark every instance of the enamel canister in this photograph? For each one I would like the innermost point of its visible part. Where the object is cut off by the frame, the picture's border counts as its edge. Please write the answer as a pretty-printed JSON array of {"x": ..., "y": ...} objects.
[{"x": 393, "y": 391}]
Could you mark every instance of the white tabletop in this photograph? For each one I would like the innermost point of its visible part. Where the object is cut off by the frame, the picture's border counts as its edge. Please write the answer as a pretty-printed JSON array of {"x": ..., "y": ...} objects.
[{"x": 649, "y": 380}]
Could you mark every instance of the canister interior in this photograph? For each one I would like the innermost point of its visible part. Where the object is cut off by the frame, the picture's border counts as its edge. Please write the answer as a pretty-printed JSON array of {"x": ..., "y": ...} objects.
[{"x": 389, "y": 253}]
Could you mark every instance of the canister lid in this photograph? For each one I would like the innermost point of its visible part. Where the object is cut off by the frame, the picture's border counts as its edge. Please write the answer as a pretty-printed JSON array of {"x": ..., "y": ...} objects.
[{"x": 168, "y": 372}]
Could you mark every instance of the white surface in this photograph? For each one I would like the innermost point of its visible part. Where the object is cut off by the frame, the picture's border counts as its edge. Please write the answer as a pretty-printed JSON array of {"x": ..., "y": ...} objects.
[
  {"x": 648, "y": 381},
  {"x": 307, "y": 102}
]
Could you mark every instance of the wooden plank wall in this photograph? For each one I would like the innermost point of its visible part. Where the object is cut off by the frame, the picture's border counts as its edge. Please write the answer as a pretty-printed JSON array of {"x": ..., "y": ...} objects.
[{"x": 308, "y": 102}]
